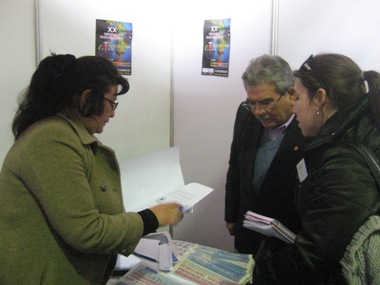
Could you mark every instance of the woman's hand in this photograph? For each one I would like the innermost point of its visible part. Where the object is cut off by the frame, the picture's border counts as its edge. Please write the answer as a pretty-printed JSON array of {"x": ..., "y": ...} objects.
[{"x": 168, "y": 213}]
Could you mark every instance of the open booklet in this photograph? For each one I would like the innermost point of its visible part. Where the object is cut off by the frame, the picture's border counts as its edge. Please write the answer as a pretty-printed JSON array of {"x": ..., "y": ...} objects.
[
  {"x": 268, "y": 226},
  {"x": 156, "y": 178}
]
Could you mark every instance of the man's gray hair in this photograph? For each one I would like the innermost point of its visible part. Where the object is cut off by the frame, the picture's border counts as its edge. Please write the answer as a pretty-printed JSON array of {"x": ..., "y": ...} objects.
[{"x": 269, "y": 69}]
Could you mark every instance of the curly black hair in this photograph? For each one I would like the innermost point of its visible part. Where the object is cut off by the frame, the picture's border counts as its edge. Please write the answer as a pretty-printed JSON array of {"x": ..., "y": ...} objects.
[{"x": 58, "y": 83}]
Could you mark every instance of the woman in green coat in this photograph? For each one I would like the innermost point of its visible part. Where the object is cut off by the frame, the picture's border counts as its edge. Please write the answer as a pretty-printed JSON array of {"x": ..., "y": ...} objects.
[{"x": 62, "y": 219}]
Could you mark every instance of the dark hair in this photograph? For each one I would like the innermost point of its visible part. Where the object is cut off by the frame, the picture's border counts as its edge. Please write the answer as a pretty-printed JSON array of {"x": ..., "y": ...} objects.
[
  {"x": 342, "y": 79},
  {"x": 269, "y": 69},
  {"x": 58, "y": 83}
]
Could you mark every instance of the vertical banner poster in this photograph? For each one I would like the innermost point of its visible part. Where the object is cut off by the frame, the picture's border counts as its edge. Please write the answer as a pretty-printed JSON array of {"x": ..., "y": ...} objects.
[
  {"x": 114, "y": 41},
  {"x": 216, "y": 47}
]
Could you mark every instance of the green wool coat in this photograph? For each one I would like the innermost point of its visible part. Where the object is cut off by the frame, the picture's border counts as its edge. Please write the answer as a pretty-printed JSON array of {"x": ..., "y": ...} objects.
[{"x": 62, "y": 219}]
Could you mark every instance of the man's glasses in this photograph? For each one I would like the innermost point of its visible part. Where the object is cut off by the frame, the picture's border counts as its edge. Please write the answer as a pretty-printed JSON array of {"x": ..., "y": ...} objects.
[
  {"x": 264, "y": 106},
  {"x": 306, "y": 67},
  {"x": 113, "y": 104}
]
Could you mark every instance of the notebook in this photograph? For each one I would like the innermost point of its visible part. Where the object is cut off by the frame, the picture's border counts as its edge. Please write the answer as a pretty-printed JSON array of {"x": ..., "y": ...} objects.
[{"x": 268, "y": 226}]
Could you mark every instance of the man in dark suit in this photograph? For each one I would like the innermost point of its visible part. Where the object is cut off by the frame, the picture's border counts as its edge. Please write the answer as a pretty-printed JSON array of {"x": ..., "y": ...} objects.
[{"x": 266, "y": 147}]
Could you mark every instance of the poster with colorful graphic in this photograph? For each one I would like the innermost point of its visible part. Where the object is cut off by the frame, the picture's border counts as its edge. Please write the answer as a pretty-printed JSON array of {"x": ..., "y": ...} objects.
[
  {"x": 216, "y": 47},
  {"x": 114, "y": 41}
]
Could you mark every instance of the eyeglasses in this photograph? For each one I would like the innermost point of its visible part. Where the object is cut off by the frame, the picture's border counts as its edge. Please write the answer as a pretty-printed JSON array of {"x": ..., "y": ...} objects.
[
  {"x": 113, "y": 104},
  {"x": 306, "y": 67},
  {"x": 266, "y": 106}
]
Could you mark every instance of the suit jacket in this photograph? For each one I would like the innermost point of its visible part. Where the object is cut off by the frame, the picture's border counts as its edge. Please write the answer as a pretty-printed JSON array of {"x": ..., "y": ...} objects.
[
  {"x": 62, "y": 219},
  {"x": 276, "y": 195}
]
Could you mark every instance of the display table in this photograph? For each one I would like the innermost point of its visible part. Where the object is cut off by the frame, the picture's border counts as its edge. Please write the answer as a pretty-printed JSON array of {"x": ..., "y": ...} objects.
[{"x": 197, "y": 264}]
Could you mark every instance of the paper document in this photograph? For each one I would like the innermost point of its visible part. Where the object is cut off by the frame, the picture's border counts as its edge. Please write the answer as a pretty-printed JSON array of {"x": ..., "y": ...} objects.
[
  {"x": 148, "y": 246},
  {"x": 187, "y": 196},
  {"x": 159, "y": 248},
  {"x": 268, "y": 226},
  {"x": 149, "y": 176},
  {"x": 157, "y": 178}
]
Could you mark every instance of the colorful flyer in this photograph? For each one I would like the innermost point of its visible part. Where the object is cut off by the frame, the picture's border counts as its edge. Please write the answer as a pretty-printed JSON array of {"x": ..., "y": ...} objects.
[
  {"x": 216, "y": 47},
  {"x": 114, "y": 41}
]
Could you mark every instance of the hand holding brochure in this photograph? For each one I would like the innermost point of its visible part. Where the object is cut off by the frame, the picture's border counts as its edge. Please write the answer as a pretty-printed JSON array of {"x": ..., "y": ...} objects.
[{"x": 268, "y": 226}]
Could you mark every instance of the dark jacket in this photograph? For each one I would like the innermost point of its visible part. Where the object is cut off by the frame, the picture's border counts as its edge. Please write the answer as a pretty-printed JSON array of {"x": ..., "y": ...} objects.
[
  {"x": 276, "y": 195},
  {"x": 336, "y": 198}
]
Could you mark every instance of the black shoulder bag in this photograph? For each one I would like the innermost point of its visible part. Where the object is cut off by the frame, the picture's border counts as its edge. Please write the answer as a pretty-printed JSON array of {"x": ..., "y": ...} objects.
[{"x": 370, "y": 158}]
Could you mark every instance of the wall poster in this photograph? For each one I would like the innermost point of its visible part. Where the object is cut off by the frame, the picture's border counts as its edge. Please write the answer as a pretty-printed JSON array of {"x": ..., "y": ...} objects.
[
  {"x": 114, "y": 41},
  {"x": 216, "y": 47}
]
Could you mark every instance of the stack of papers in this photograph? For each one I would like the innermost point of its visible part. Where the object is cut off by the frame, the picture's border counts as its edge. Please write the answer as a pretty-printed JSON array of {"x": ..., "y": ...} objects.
[
  {"x": 197, "y": 264},
  {"x": 268, "y": 226},
  {"x": 159, "y": 249}
]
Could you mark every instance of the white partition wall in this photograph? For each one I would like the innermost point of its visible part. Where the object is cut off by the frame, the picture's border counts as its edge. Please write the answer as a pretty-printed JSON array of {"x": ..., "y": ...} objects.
[
  {"x": 17, "y": 61},
  {"x": 349, "y": 27},
  {"x": 205, "y": 106},
  {"x": 142, "y": 120}
]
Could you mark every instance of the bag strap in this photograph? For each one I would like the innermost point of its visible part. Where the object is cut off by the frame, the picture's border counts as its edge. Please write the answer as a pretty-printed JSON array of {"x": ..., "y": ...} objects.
[{"x": 370, "y": 158}]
